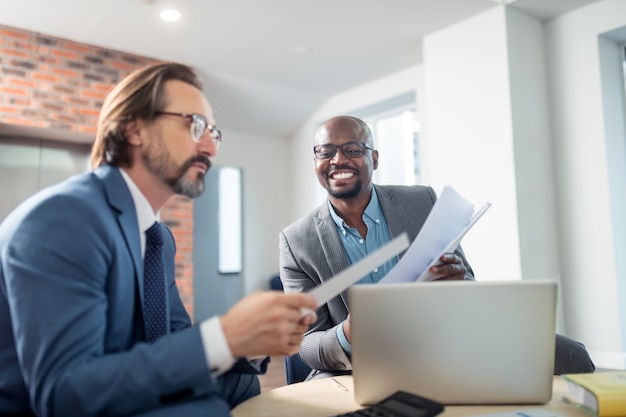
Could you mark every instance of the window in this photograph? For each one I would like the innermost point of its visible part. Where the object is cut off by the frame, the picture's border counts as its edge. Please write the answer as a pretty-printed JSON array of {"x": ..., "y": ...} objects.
[
  {"x": 394, "y": 124},
  {"x": 624, "y": 65},
  {"x": 396, "y": 137},
  {"x": 229, "y": 220}
]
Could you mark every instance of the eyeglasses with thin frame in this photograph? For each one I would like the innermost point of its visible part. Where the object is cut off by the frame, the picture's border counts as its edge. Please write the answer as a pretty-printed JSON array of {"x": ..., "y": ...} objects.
[
  {"x": 349, "y": 149},
  {"x": 199, "y": 124}
]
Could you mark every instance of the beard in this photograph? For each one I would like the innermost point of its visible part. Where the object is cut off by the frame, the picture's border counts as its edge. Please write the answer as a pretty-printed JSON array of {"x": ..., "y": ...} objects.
[
  {"x": 160, "y": 164},
  {"x": 342, "y": 193},
  {"x": 191, "y": 188},
  {"x": 346, "y": 194}
]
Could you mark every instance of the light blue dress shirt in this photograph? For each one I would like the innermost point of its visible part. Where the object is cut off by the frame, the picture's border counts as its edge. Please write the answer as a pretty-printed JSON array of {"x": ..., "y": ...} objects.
[{"x": 358, "y": 247}]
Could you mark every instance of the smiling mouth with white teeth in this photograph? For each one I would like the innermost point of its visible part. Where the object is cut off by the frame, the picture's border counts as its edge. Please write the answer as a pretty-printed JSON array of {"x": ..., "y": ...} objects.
[{"x": 342, "y": 175}]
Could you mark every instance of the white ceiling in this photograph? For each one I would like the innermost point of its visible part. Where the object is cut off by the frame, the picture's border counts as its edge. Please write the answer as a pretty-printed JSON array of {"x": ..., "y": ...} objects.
[{"x": 245, "y": 50}]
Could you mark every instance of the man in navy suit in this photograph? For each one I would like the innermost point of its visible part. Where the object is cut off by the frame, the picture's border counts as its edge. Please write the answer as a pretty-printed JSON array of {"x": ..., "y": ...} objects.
[
  {"x": 72, "y": 325},
  {"x": 357, "y": 218}
]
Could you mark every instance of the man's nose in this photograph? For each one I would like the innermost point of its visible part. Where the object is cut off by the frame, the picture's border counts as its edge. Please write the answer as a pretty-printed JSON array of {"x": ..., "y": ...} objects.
[{"x": 207, "y": 145}]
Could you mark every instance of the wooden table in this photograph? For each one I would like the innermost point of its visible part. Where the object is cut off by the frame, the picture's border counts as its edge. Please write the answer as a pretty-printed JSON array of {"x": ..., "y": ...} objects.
[{"x": 324, "y": 398}]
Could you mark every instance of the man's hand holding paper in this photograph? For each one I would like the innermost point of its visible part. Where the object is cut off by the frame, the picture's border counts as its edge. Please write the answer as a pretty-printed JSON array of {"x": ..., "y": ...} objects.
[
  {"x": 430, "y": 255},
  {"x": 449, "y": 267}
]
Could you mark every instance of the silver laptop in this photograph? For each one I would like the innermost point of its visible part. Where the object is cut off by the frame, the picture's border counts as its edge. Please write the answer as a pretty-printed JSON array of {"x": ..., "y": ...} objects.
[{"x": 455, "y": 342}]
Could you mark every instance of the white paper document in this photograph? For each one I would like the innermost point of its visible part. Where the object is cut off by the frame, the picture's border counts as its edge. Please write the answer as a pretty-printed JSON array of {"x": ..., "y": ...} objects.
[
  {"x": 534, "y": 412},
  {"x": 427, "y": 275},
  {"x": 331, "y": 288},
  {"x": 447, "y": 223}
]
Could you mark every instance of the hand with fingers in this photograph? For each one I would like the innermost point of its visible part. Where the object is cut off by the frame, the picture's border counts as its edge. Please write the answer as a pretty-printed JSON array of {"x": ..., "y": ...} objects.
[
  {"x": 450, "y": 268},
  {"x": 268, "y": 323},
  {"x": 347, "y": 330}
]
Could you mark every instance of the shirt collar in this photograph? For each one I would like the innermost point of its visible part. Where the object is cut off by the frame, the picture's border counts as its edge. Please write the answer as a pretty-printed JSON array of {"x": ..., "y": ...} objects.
[
  {"x": 145, "y": 215},
  {"x": 373, "y": 211}
]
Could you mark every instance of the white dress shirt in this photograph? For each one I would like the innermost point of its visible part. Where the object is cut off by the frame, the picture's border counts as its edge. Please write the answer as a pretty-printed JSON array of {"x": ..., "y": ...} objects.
[{"x": 217, "y": 352}]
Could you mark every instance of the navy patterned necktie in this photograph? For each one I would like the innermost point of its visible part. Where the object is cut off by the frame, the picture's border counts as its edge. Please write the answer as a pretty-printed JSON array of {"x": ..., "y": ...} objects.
[{"x": 155, "y": 316}]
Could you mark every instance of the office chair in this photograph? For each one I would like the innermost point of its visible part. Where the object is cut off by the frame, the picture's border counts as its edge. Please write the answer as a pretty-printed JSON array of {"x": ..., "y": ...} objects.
[
  {"x": 295, "y": 369},
  {"x": 275, "y": 283}
]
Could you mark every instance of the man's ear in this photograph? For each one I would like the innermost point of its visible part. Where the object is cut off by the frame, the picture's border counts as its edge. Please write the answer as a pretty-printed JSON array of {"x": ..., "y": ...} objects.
[
  {"x": 133, "y": 132},
  {"x": 375, "y": 159}
]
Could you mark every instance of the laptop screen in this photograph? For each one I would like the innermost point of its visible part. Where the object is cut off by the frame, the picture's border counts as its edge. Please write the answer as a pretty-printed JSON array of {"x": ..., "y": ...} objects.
[{"x": 456, "y": 342}]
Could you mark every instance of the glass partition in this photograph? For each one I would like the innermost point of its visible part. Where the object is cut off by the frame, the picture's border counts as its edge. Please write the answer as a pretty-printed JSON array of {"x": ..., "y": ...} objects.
[{"x": 27, "y": 166}]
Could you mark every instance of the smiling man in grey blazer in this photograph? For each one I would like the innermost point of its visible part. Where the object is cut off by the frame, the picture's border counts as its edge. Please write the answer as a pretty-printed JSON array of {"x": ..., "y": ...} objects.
[{"x": 357, "y": 219}]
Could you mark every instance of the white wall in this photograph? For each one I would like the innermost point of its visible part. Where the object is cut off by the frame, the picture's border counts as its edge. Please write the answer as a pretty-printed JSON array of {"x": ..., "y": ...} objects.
[
  {"x": 266, "y": 164},
  {"x": 584, "y": 195},
  {"x": 539, "y": 153},
  {"x": 468, "y": 134},
  {"x": 534, "y": 169}
]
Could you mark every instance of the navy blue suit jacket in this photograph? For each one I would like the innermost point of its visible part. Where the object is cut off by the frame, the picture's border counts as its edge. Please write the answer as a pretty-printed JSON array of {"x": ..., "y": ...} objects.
[{"x": 71, "y": 289}]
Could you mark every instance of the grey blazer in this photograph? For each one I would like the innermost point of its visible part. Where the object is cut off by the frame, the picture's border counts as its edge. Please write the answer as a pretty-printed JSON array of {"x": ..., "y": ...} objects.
[{"x": 311, "y": 252}]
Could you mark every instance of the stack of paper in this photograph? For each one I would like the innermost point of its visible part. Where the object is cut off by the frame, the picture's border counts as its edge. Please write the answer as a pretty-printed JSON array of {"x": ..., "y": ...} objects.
[{"x": 449, "y": 220}]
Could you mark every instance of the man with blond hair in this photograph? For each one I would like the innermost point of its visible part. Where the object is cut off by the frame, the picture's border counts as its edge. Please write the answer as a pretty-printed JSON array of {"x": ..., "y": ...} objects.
[{"x": 84, "y": 331}]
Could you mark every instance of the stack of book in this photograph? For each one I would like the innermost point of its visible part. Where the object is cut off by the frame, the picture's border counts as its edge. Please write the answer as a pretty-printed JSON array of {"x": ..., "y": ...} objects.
[{"x": 601, "y": 394}]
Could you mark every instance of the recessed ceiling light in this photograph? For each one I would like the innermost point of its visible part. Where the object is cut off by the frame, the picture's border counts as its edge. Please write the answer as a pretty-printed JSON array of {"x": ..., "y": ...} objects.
[
  {"x": 301, "y": 49},
  {"x": 170, "y": 15}
]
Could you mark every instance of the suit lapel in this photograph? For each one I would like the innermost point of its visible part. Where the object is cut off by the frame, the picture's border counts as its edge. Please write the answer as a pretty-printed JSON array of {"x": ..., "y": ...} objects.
[
  {"x": 329, "y": 239},
  {"x": 397, "y": 219},
  {"x": 332, "y": 247},
  {"x": 121, "y": 201}
]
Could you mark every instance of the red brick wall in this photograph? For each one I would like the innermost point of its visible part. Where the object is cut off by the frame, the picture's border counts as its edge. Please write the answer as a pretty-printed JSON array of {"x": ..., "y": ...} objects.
[
  {"x": 49, "y": 82},
  {"x": 178, "y": 215}
]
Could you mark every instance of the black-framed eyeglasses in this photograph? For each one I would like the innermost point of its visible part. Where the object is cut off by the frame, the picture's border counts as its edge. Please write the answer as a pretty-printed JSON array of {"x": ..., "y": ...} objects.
[
  {"x": 350, "y": 149},
  {"x": 199, "y": 124}
]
